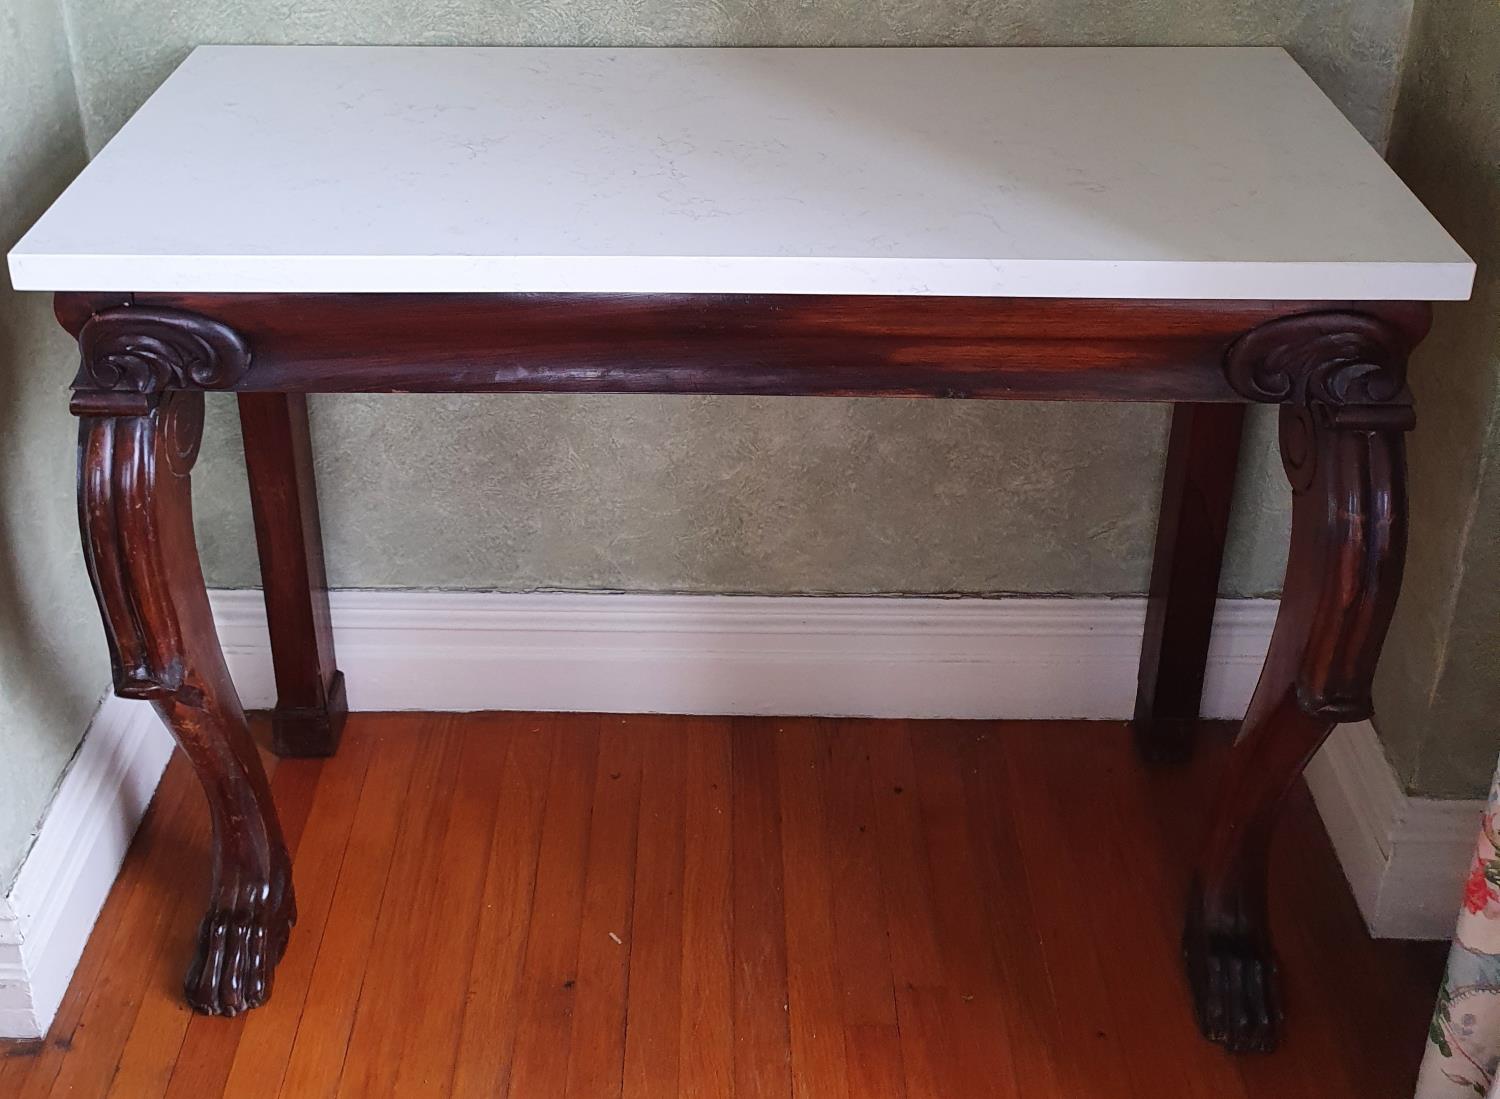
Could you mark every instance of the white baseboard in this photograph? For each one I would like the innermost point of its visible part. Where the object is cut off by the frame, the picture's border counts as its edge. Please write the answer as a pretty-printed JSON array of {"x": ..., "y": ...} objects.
[
  {"x": 834, "y": 656},
  {"x": 956, "y": 658},
  {"x": 1405, "y": 857},
  {"x": 46, "y": 917}
]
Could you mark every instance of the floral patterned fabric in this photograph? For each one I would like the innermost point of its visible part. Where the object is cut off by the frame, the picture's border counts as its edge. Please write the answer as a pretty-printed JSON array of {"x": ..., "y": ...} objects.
[{"x": 1463, "y": 1046}]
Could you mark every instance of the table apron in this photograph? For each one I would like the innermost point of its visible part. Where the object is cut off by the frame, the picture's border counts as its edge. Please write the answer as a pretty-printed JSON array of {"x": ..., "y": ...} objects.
[{"x": 986, "y": 348}]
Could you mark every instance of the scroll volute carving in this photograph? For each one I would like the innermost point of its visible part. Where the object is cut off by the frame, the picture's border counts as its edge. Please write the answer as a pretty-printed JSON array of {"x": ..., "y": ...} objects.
[
  {"x": 1335, "y": 371},
  {"x": 1340, "y": 378},
  {"x": 1335, "y": 358},
  {"x": 140, "y": 349},
  {"x": 138, "y": 396}
]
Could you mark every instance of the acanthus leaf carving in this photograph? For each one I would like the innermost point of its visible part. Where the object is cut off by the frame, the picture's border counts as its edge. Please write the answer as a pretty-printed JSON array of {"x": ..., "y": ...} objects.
[
  {"x": 1336, "y": 358},
  {"x": 142, "y": 349}
]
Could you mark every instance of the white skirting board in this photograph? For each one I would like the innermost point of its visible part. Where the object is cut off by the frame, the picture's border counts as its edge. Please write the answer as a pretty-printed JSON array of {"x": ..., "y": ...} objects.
[
  {"x": 50, "y": 908},
  {"x": 1405, "y": 857},
  {"x": 709, "y": 654},
  {"x": 960, "y": 658}
]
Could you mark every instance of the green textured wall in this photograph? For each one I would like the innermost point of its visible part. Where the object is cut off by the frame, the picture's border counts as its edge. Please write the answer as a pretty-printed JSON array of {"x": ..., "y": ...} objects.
[
  {"x": 1438, "y": 691},
  {"x": 733, "y": 495},
  {"x": 738, "y": 495},
  {"x": 53, "y": 667},
  {"x": 124, "y": 48}
]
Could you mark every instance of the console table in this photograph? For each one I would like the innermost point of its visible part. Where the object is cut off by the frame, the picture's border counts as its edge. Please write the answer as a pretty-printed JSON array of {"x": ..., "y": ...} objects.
[{"x": 1196, "y": 226}]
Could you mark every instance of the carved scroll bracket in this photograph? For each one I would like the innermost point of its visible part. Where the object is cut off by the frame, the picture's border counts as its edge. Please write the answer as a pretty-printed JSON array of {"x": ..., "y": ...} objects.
[
  {"x": 1333, "y": 371},
  {"x": 144, "y": 350},
  {"x": 1340, "y": 378},
  {"x": 1336, "y": 358}
]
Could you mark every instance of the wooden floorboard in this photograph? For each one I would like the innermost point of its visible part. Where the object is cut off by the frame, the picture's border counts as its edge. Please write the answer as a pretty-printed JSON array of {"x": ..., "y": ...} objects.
[
  {"x": 492, "y": 1003},
  {"x": 548, "y": 989},
  {"x": 645, "y": 906},
  {"x": 705, "y": 1023},
  {"x": 762, "y": 1042},
  {"x": 612, "y": 889}
]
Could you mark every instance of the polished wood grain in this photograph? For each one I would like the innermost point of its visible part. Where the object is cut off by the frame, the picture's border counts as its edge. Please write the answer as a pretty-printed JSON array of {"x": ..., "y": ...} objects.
[
  {"x": 135, "y": 454},
  {"x": 992, "y": 348},
  {"x": 310, "y": 701},
  {"x": 1192, "y": 526},
  {"x": 1344, "y": 415},
  {"x": 811, "y": 906}
]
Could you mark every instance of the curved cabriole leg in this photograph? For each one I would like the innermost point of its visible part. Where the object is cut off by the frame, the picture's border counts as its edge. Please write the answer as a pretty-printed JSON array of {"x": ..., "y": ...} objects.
[
  {"x": 1345, "y": 462},
  {"x": 135, "y": 509}
]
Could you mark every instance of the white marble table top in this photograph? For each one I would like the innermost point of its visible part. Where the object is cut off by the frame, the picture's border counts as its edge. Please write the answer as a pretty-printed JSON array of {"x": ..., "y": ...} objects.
[{"x": 1089, "y": 172}]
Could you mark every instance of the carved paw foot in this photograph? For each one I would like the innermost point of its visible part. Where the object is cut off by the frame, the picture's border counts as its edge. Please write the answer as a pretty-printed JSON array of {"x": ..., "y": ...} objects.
[
  {"x": 1236, "y": 989},
  {"x": 242, "y": 937}
]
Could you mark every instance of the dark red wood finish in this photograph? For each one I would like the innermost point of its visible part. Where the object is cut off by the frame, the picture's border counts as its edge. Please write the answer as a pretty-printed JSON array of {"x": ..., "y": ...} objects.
[
  {"x": 1197, "y": 490},
  {"x": 1031, "y": 348},
  {"x": 135, "y": 510},
  {"x": 1337, "y": 370},
  {"x": 310, "y": 703},
  {"x": 1345, "y": 412}
]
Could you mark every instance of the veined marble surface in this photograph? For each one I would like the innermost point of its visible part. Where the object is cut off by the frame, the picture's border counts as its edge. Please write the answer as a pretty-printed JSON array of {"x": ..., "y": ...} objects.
[{"x": 1091, "y": 172}]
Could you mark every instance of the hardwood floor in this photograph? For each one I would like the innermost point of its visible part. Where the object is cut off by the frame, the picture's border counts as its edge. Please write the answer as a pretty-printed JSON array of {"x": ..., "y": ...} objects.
[{"x": 541, "y": 905}]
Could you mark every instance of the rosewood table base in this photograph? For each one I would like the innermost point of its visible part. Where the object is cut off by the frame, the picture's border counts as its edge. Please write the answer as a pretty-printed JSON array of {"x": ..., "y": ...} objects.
[{"x": 1337, "y": 371}]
